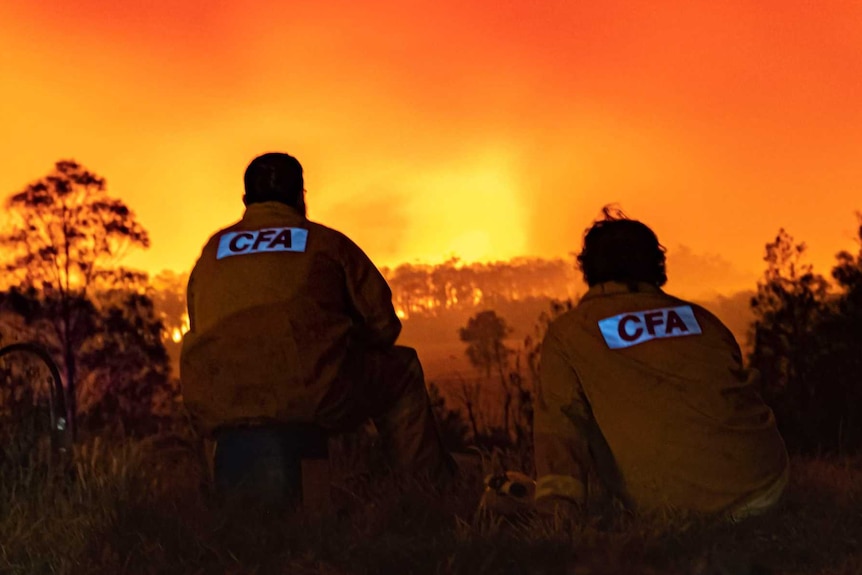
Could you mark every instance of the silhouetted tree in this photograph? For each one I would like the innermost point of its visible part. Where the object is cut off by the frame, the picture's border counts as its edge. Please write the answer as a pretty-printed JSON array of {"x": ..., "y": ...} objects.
[
  {"x": 453, "y": 428},
  {"x": 469, "y": 394},
  {"x": 789, "y": 308},
  {"x": 838, "y": 365},
  {"x": 123, "y": 366},
  {"x": 790, "y": 301},
  {"x": 66, "y": 238},
  {"x": 484, "y": 335},
  {"x": 848, "y": 274},
  {"x": 126, "y": 387},
  {"x": 25, "y": 406}
]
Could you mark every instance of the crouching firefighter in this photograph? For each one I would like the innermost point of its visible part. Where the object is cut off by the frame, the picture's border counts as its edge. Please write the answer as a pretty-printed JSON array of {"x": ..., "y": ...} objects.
[
  {"x": 649, "y": 391},
  {"x": 291, "y": 323}
]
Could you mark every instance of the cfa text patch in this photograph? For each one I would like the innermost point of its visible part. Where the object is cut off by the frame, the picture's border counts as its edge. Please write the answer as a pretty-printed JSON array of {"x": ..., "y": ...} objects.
[
  {"x": 632, "y": 328},
  {"x": 265, "y": 240}
]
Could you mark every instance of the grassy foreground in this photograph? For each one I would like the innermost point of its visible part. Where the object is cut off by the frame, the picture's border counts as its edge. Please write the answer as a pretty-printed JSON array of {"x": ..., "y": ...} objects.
[{"x": 140, "y": 508}]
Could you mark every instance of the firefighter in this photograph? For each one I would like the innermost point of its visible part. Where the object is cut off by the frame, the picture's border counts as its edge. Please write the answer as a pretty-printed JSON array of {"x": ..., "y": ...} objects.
[
  {"x": 291, "y": 323},
  {"x": 649, "y": 390}
]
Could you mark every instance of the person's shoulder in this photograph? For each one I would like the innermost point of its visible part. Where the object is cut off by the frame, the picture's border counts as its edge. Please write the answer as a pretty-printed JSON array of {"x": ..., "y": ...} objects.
[
  {"x": 328, "y": 237},
  {"x": 337, "y": 243},
  {"x": 699, "y": 310},
  {"x": 704, "y": 316},
  {"x": 324, "y": 230},
  {"x": 567, "y": 321},
  {"x": 213, "y": 240}
]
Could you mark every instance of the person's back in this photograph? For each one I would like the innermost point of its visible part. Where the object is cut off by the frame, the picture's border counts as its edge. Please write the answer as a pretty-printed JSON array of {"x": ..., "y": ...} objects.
[
  {"x": 286, "y": 322},
  {"x": 291, "y": 323},
  {"x": 651, "y": 389}
]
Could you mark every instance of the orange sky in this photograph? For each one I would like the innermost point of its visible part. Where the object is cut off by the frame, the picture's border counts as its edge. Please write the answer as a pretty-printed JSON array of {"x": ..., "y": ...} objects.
[{"x": 488, "y": 128}]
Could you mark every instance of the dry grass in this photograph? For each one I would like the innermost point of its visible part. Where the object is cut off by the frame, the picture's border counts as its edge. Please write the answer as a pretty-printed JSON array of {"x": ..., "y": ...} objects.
[{"x": 139, "y": 508}]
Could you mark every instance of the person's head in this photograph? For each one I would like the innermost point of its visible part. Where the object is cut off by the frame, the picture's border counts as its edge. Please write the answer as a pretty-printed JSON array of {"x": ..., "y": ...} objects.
[
  {"x": 275, "y": 177},
  {"x": 621, "y": 250}
]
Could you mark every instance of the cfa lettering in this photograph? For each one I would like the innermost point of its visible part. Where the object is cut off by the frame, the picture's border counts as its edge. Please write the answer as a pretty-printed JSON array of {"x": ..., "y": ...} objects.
[
  {"x": 651, "y": 321},
  {"x": 261, "y": 241},
  {"x": 636, "y": 327},
  {"x": 245, "y": 241}
]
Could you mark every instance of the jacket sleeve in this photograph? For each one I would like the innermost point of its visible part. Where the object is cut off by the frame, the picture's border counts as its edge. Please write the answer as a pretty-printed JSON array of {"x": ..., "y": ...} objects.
[
  {"x": 371, "y": 298},
  {"x": 561, "y": 446}
]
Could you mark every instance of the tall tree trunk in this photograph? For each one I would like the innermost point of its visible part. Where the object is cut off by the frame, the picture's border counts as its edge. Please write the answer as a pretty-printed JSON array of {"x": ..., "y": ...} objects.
[
  {"x": 507, "y": 392},
  {"x": 68, "y": 352},
  {"x": 468, "y": 403},
  {"x": 69, "y": 360}
]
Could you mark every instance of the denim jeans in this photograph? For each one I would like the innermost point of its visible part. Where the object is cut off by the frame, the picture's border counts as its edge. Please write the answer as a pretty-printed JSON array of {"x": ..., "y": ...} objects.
[
  {"x": 264, "y": 462},
  {"x": 386, "y": 386}
]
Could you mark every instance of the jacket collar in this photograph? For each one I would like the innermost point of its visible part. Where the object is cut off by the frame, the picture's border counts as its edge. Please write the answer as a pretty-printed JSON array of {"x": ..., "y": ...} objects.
[
  {"x": 278, "y": 208},
  {"x": 617, "y": 288}
]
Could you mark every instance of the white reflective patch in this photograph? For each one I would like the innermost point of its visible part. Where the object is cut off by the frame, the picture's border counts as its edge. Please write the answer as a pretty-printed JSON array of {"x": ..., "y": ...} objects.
[
  {"x": 628, "y": 329},
  {"x": 265, "y": 240}
]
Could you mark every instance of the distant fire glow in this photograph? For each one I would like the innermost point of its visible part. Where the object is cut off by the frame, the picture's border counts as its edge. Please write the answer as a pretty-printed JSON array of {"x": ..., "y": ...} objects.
[{"x": 179, "y": 331}]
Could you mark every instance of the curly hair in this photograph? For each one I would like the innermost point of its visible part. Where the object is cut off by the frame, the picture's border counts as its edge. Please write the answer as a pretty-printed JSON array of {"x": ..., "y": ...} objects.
[
  {"x": 619, "y": 249},
  {"x": 274, "y": 177}
]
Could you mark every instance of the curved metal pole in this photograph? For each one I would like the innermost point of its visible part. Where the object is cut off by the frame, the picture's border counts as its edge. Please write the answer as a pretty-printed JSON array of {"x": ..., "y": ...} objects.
[{"x": 56, "y": 394}]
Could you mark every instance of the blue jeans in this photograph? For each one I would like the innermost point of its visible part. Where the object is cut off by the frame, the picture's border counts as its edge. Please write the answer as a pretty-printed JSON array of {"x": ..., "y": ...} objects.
[
  {"x": 264, "y": 462},
  {"x": 386, "y": 386}
]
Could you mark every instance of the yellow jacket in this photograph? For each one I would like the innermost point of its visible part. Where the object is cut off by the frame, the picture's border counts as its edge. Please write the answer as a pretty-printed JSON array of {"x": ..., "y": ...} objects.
[
  {"x": 274, "y": 302},
  {"x": 652, "y": 390}
]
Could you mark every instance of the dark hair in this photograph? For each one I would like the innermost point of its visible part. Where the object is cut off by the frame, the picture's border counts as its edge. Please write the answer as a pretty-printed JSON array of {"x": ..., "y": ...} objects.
[
  {"x": 622, "y": 250},
  {"x": 274, "y": 177}
]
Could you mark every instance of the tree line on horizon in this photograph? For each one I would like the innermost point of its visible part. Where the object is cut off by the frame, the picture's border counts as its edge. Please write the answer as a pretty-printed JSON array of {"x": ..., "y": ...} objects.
[
  {"x": 109, "y": 328},
  {"x": 429, "y": 289}
]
